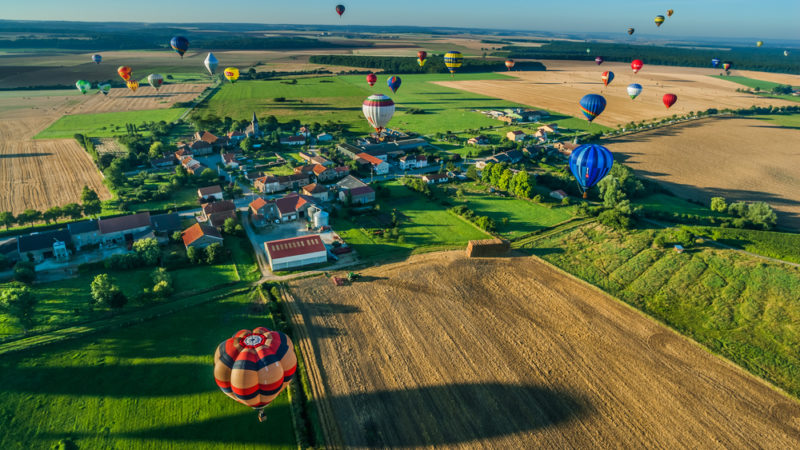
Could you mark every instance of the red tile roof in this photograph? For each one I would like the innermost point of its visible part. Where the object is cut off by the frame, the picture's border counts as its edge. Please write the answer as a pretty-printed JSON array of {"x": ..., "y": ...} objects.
[
  {"x": 314, "y": 188},
  {"x": 208, "y": 190},
  {"x": 257, "y": 204},
  {"x": 219, "y": 206},
  {"x": 319, "y": 169},
  {"x": 197, "y": 231},
  {"x": 363, "y": 190},
  {"x": 370, "y": 158},
  {"x": 291, "y": 203},
  {"x": 341, "y": 169},
  {"x": 303, "y": 245},
  {"x": 124, "y": 223},
  {"x": 208, "y": 137}
]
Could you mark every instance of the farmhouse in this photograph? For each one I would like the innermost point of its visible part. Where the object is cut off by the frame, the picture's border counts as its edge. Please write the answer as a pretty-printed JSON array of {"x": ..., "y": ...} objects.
[
  {"x": 293, "y": 140},
  {"x": 323, "y": 173},
  {"x": 201, "y": 148},
  {"x": 317, "y": 191},
  {"x": 341, "y": 171},
  {"x": 478, "y": 140},
  {"x": 216, "y": 213},
  {"x": 296, "y": 252},
  {"x": 413, "y": 162},
  {"x": 263, "y": 211},
  {"x": 549, "y": 128},
  {"x": 85, "y": 232},
  {"x": 358, "y": 196},
  {"x": 315, "y": 159},
  {"x": 125, "y": 229},
  {"x": 165, "y": 224},
  {"x": 294, "y": 206},
  {"x": 168, "y": 160},
  {"x": 510, "y": 157},
  {"x": 211, "y": 139},
  {"x": 516, "y": 136},
  {"x": 36, "y": 247},
  {"x": 210, "y": 193},
  {"x": 271, "y": 184},
  {"x": 236, "y": 137},
  {"x": 435, "y": 178},
  {"x": 565, "y": 148},
  {"x": 380, "y": 167},
  {"x": 230, "y": 161},
  {"x": 201, "y": 236}
]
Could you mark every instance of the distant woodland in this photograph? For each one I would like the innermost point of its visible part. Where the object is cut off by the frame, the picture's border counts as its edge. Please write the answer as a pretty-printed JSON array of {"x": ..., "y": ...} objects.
[{"x": 435, "y": 64}]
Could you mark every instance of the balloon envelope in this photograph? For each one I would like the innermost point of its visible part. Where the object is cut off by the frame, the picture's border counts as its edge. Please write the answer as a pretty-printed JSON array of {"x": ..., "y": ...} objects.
[
  {"x": 607, "y": 77},
  {"x": 378, "y": 110},
  {"x": 631, "y": 31},
  {"x": 180, "y": 44},
  {"x": 669, "y": 12},
  {"x": 124, "y": 72},
  {"x": 231, "y": 74},
  {"x": 589, "y": 164},
  {"x": 599, "y": 60},
  {"x": 105, "y": 88},
  {"x": 394, "y": 83},
  {"x": 714, "y": 62},
  {"x": 253, "y": 367},
  {"x": 637, "y": 65},
  {"x": 786, "y": 53},
  {"x": 727, "y": 65},
  {"x": 759, "y": 43},
  {"x": 155, "y": 80},
  {"x": 83, "y": 86},
  {"x": 659, "y": 20},
  {"x": 592, "y": 105},
  {"x": 97, "y": 58},
  {"x": 371, "y": 79},
  {"x": 211, "y": 63},
  {"x": 669, "y": 100},
  {"x": 453, "y": 60},
  {"x": 510, "y": 64},
  {"x": 634, "y": 90},
  {"x": 133, "y": 85},
  {"x": 340, "y": 10}
]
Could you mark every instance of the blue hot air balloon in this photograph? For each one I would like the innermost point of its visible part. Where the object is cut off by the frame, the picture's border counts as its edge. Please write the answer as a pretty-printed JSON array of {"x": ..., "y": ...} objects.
[
  {"x": 714, "y": 62},
  {"x": 592, "y": 105},
  {"x": 590, "y": 163},
  {"x": 96, "y": 58},
  {"x": 180, "y": 44},
  {"x": 394, "y": 83}
]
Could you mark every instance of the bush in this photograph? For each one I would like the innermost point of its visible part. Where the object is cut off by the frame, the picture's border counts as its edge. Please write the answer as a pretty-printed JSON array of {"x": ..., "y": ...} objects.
[
  {"x": 614, "y": 219},
  {"x": 24, "y": 272},
  {"x": 124, "y": 261}
]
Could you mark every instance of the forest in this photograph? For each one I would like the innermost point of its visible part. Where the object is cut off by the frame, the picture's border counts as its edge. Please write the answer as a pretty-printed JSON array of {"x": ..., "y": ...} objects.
[{"x": 434, "y": 64}]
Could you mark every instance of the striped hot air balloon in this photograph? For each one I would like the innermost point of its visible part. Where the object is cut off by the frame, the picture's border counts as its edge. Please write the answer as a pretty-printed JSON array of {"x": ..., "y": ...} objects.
[
  {"x": 727, "y": 65},
  {"x": 422, "y": 57},
  {"x": 599, "y": 60},
  {"x": 105, "y": 88},
  {"x": 659, "y": 20},
  {"x": 631, "y": 31},
  {"x": 378, "y": 109},
  {"x": 96, "y": 58},
  {"x": 607, "y": 77},
  {"x": 589, "y": 164},
  {"x": 453, "y": 60},
  {"x": 155, "y": 80},
  {"x": 592, "y": 105},
  {"x": 510, "y": 64},
  {"x": 180, "y": 44},
  {"x": 253, "y": 367},
  {"x": 634, "y": 90}
]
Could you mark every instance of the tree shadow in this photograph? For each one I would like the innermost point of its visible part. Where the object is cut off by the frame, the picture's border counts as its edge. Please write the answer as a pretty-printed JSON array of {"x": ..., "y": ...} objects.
[{"x": 23, "y": 155}]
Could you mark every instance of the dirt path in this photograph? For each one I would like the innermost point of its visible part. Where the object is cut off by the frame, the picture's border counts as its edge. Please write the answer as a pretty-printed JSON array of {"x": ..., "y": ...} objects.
[{"x": 442, "y": 350}]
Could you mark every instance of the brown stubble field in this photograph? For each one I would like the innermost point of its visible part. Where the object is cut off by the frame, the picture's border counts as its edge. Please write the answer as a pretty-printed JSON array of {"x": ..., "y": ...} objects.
[
  {"x": 739, "y": 159},
  {"x": 445, "y": 351},
  {"x": 561, "y": 87},
  {"x": 145, "y": 97}
]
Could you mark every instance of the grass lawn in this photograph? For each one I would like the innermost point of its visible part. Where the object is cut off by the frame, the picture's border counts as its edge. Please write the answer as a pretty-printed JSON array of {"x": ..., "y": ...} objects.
[
  {"x": 149, "y": 385},
  {"x": 785, "y": 246},
  {"x": 737, "y": 305},
  {"x": 764, "y": 86},
  {"x": 674, "y": 205},
  {"x": 784, "y": 120},
  {"x": 185, "y": 196},
  {"x": 243, "y": 257},
  {"x": 105, "y": 124}
]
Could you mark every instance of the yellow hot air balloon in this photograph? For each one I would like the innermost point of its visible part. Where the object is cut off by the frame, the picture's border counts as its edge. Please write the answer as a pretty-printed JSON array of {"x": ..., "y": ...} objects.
[
  {"x": 659, "y": 20},
  {"x": 133, "y": 85},
  {"x": 232, "y": 74},
  {"x": 453, "y": 61},
  {"x": 759, "y": 43}
]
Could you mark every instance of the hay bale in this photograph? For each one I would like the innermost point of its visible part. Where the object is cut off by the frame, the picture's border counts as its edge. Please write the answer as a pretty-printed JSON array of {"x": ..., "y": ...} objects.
[{"x": 487, "y": 247}]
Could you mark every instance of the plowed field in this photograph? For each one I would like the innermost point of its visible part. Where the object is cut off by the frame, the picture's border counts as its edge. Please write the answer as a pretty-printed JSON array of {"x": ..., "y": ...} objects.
[
  {"x": 446, "y": 351},
  {"x": 144, "y": 98}
]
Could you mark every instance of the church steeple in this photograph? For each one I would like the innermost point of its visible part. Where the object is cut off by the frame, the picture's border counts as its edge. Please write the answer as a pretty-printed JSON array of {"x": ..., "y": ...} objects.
[{"x": 256, "y": 132}]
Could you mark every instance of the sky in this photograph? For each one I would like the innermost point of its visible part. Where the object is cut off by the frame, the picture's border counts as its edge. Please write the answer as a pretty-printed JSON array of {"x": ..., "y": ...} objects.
[{"x": 765, "y": 19}]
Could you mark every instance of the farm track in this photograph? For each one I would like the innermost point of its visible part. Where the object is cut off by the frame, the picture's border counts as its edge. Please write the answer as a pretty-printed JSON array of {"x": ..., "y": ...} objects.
[{"x": 441, "y": 350}]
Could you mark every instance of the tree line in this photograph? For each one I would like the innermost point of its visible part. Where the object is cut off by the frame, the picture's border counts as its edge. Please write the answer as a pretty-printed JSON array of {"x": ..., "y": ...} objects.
[
  {"x": 435, "y": 64},
  {"x": 90, "y": 206}
]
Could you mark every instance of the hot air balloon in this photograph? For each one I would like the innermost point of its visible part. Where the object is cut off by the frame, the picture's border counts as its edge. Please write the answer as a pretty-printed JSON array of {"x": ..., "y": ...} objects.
[
  {"x": 669, "y": 100},
  {"x": 759, "y": 43},
  {"x": 232, "y": 74},
  {"x": 180, "y": 44},
  {"x": 378, "y": 109},
  {"x": 637, "y": 65},
  {"x": 714, "y": 62},
  {"x": 155, "y": 80},
  {"x": 592, "y": 105},
  {"x": 634, "y": 90},
  {"x": 105, "y": 88},
  {"x": 510, "y": 64},
  {"x": 422, "y": 57},
  {"x": 371, "y": 79},
  {"x": 394, "y": 83},
  {"x": 669, "y": 12},
  {"x": 786, "y": 53},
  {"x": 133, "y": 85},
  {"x": 124, "y": 72},
  {"x": 340, "y": 10},
  {"x": 607, "y": 77},
  {"x": 83, "y": 86},
  {"x": 253, "y": 367},
  {"x": 727, "y": 65},
  {"x": 453, "y": 61},
  {"x": 588, "y": 50},
  {"x": 211, "y": 63},
  {"x": 659, "y": 20},
  {"x": 599, "y": 60},
  {"x": 97, "y": 58},
  {"x": 589, "y": 164},
  {"x": 631, "y": 31}
]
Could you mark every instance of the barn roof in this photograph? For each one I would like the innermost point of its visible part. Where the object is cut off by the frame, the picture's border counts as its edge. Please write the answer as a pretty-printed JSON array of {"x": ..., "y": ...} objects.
[{"x": 297, "y": 246}]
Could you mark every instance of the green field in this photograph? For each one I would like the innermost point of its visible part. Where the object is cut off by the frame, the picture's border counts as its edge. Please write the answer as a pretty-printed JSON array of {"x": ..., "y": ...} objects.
[
  {"x": 785, "y": 246},
  {"x": 105, "y": 124},
  {"x": 764, "y": 86},
  {"x": 149, "y": 385},
  {"x": 427, "y": 226},
  {"x": 673, "y": 205},
  {"x": 339, "y": 99},
  {"x": 784, "y": 120},
  {"x": 737, "y": 305}
]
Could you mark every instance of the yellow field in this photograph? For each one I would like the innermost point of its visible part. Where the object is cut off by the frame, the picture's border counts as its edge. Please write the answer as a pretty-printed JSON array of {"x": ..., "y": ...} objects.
[{"x": 146, "y": 97}]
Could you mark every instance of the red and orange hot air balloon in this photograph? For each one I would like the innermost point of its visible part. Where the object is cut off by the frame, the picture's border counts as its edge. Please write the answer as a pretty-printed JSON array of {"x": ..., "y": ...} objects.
[
  {"x": 422, "y": 57},
  {"x": 340, "y": 10},
  {"x": 510, "y": 64},
  {"x": 637, "y": 65},
  {"x": 124, "y": 72},
  {"x": 253, "y": 367},
  {"x": 669, "y": 100},
  {"x": 371, "y": 79}
]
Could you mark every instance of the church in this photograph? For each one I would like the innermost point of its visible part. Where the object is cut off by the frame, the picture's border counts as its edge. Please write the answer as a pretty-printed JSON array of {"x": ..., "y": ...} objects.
[{"x": 252, "y": 130}]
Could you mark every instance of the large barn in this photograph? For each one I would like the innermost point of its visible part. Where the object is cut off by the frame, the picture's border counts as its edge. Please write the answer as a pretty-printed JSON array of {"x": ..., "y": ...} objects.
[{"x": 295, "y": 252}]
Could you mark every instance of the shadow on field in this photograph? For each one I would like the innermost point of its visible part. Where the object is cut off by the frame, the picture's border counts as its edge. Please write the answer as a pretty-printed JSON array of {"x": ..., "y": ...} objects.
[
  {"x": 23, "y": 155},
  {"x": 452, "y": 414}
]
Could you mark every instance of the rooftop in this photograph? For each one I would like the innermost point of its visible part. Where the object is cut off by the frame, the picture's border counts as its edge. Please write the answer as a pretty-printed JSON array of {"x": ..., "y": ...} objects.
[
  {"x": 314, "y": 188},
  {"x": 84, "y": 226},
  {"x": 373, "y": 160},
  {"x": 258, "y": 204},
  {"x": 166, "y": 222},
  {"x": 297, "y": 246},
  {"x": 350, "y": 182},
  {"x": 124, "y": 223},
  {"x": 209, "y": 190},
  {"x": 219, "y": 206},
  {"x": 197, "y": 231},
  {"x": 40, "y": 241},
  {"x": 363, "y": 190}
]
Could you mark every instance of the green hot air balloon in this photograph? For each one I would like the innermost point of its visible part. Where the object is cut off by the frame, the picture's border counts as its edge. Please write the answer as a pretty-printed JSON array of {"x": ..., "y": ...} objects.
[
  {"x": 83, "y": 86},
  {"x": 105, "y": 88}
]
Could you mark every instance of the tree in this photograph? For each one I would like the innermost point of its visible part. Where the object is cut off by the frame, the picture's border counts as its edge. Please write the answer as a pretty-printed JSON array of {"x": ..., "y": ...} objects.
[
  {"x": 247, "y": 144},
  {"x": 117, "y": 300},
  {"x": 615, "y": 219},
  {"x": 214, "y": 253},
  {"x": 29, "y": 216},
  {"x": 177, "y": 236},
  {"x": 7, "y": 219},
  {"x": 72, "y": 210},
  {"x": 718, "y": 204},
  {"x": 487, "y": 172},
  {"x": 114, "y": 174},
  {"x": 472, "y": 173},
  {"x": 162, "y": 283},
  {"x": 148, "y": 250},
  {"x": 497, "y": 172},
  {"x": 196, "y": 255},
  {"x": 208, "y": 175},
  {"x": 738, "y": 209},
  {"x": 156, "y": 150},
  {"x": 229, "y": 226},
  {"x": 18, "y": 301},
  {"x": 505, "y": 179},
  {"x": 52, "y": 214},
  {"x": 92, "y": 208},
  {"x": 88, "y": 195},
  {"x": 760, "y": 213},
  {"x": 611, "y": 192},
  {"x": 24, "y": 272},
  {"x": 104, "y": 291},
  {"x": 522, "y": 184}
]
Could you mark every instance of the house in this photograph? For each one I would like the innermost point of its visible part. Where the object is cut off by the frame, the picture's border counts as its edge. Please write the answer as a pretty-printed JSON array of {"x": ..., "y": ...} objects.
[
  {"x": 267, "y": 184},
  {"x": 341, "y": 171},
  {"x": 295, "y": 252},
  {"x": 192, "y": 165},
  {"x": 165, "y": 224},
  {"x": 380, "y": 166},
  {"x": 211, "y": 139},
  {"x": 512, "y": 156},
  {"x": 413, "y": 162},
  {"x": 263, "y": 210},
  {"x": 253, "y": 130},
  {"x": 323, "y": 173},
  {"x": 559, "y": 195},
  {"x": 317, "y": 191},
  {"x": 168, "y": 160},
  {"x": 565, "y": 148},
  {"x": 183, "y": 151},
  {"x": 349, "y": 182},
  {"x": 236, "y": 137},
  {"x": 435, "y": 178},
  {"x": 540, "y": 135},
  {"x": 321, "y": 160},
  {"x": 36, "y": 247},
  {"x": 358, "y": 196},
  {"x": 125, "y": 229},
  {"x": 271, "y": 184},
  {"x": 516, "y": 136},
  {"x": 210, "y": 193},
  {"x": 201, "y": 236},
  {"x": 679, "y": 248},
  {"x": 230, "y": 161},
  {"x": 304, "y": 132},
  {"x": 293, "y": 206},
  {"x": 307, "y": 169},
  {"x": 216, "y": 213},
  {"x": 478, "y": 140},
  {"x": 549, "y": 128},
  {"x": 538, "y": 115},
  {"x": 349, "y": 150},
  {"x": 324, "y": 137},
  {"x": 201, "y": 148},
  {"x": 293, "y": 140},
  {"x": 84, "y": 233}
]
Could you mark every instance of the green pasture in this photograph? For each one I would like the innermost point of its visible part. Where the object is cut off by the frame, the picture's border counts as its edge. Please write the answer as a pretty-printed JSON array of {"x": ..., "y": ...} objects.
[
  {"x": 785, "y": 246},
  {"x": 764, "y": 86},
  {"x": 739, "y": 306},
  {"x": 783, "y": 120},
  {"x": 105, "y": 124},
  {"x": 149, "y": 385},
  {"x": 673, "y": 205}
]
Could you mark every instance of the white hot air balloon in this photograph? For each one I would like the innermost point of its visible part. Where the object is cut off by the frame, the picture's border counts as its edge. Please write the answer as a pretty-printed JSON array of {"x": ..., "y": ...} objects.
[
  {"x": 634, "y": 90},
  {"x": 378, "y": 109},
  {"x": 155, "y": 80},
  {"x": 211, "y": 63}
]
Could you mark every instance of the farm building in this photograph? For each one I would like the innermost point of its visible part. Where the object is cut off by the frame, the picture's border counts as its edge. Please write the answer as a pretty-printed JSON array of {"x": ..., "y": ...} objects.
[
  {"x": 487, "y": 247},
  {"x": 263, "y": 210},
  {"x": 478, "y": 140},
  {"x": 125, "y": 229},
  {"x": 296, "y": 252},
  {"x": 165, "y": 224},
  {"x": 317, "y": 191},
  {"x": 435, "y": 178},
  {"x": 294, "y": 206},
  {"x": 516, "y": 136},
  {"x": 210, "y": 193},
  {"x": 324, "y": 137},
  {"x": 216, "y": 213},
  {"x": 201, "y": 236},
  {"x": 358, "y": 196},
  {"x": 85, "y": 232},
  {"x": 36, "y": 247},
  {"x": 293, "y": 140},
  {"x": 323, "y": 173},
  {"x": 230, "y": 161},
  {"x": 380, "y": 166},
  {"x": 413, "y": 162}
]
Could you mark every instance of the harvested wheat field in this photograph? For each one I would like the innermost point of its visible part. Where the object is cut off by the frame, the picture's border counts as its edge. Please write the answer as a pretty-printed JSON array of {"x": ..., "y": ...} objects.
[
  {"x": 446, "y": 351},
  {"x": 739, "y": 159},
  {"x": 561, "y": 87},
  {"x": 145, "y": 98}
]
